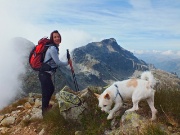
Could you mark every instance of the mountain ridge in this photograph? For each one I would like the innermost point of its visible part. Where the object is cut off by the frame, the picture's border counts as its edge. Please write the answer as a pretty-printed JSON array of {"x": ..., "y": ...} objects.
[
  {"x": 163, "y": 62},
  {"x": 106, "y": 60}
]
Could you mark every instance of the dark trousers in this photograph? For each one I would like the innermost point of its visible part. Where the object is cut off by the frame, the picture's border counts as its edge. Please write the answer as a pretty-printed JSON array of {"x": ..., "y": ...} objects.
[{"x": 47, "y": 89}]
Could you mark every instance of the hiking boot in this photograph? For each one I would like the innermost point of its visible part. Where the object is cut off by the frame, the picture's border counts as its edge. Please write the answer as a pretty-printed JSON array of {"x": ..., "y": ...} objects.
[{"x": 49, "y": 107}]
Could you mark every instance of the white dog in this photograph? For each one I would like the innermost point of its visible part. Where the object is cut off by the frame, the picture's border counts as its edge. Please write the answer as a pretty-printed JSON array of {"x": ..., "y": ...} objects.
[{"x": 137, "y": 89}]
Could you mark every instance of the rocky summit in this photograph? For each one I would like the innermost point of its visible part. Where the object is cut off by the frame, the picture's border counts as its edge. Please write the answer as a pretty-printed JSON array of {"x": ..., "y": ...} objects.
[{"x": 100, "y": 63}]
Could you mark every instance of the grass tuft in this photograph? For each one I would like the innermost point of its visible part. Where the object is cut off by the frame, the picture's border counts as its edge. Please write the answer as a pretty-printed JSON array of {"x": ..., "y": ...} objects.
[
  {"x": 167, "y": 103},
  {"x": 154, "y": 129}
]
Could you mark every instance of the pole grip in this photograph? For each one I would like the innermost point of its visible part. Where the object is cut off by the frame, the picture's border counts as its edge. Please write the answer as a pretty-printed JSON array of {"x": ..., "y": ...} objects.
[{"x": 68, "y": 55}]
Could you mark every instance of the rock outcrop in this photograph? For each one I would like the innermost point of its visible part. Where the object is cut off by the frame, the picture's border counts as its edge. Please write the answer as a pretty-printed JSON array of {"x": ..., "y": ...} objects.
[{"x": 72, "y": 105}]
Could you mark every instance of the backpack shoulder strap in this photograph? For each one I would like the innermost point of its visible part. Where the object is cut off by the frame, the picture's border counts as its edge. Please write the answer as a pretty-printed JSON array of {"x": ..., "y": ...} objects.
[
  {"x": 49, "y": 45},
  {"x": 54, "y": 46},
  {"x": 48, "y": 60}
]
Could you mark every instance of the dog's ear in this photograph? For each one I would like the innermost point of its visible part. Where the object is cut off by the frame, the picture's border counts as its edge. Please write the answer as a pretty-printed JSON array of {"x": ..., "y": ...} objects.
[
  {"x": 97, "y": 95},
  {"x": 107, "y": 96}
]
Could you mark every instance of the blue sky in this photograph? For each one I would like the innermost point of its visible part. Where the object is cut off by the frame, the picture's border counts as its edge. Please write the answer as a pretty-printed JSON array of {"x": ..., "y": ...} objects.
[{"x": 135, "y": 24}]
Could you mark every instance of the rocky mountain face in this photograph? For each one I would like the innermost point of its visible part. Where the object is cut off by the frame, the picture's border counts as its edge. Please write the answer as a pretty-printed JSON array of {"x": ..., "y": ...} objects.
[{"x": 100, "y": 63}]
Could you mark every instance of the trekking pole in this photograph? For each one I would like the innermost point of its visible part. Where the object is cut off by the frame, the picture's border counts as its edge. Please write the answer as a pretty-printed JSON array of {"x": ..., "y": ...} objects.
[{"x": 72, "y": 71}]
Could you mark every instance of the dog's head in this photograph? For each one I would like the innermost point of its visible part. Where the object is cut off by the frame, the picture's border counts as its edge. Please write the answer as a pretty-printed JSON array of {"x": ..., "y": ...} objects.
[{"x": 105, "y": 101}]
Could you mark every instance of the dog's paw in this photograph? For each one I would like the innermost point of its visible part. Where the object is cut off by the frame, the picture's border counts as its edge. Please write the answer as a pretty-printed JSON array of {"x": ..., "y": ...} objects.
[
  {"x": 153, "y": 118},
  {"x": 127, "y": 112},
  {"x": 110, "y": 116}
]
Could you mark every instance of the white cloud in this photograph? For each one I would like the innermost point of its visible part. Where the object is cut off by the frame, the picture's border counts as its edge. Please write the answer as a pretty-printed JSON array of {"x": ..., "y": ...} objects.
[
  {"x": 178, "y": 53},
  {"x": 139, "y": 4},
  {"x": 138, "y": 51},
  {"x": 72, "y": 39},
  {"x": 168, "y": 52},
  {"x": 156, "y": 51},
  {"x": 12, "y": 57}
]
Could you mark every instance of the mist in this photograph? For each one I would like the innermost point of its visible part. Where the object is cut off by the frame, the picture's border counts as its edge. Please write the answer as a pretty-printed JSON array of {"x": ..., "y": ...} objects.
[
  {"x": 18, "y": 35},
  {"x": 12, "y": 58}
]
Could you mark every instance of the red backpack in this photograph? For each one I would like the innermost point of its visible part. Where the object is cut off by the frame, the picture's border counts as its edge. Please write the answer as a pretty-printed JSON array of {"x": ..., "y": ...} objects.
[{"x": 37, "y": 55}]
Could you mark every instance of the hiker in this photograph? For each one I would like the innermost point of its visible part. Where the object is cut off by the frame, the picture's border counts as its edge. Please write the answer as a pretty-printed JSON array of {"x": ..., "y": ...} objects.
[{"x": 45, "y": 77}]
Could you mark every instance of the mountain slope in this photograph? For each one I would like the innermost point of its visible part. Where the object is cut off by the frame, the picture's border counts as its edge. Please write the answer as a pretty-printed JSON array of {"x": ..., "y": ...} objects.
[
  {"x": 99, "y": 63},
  {"x": 163, "y": 62}
]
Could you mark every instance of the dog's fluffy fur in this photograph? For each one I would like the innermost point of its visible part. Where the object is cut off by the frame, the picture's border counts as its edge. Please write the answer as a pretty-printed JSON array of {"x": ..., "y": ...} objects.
[{"x": 136, "y": 89}]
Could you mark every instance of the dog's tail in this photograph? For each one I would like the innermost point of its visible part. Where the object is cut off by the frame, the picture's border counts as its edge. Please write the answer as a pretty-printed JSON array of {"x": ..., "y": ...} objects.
[{"x": 149, "y": 77}]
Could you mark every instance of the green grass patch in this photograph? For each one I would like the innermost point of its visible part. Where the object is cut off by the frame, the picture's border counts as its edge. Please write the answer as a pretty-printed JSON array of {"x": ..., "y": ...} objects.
[
  {"x": 55, "y": 124},
  {"x": 92, "y": 122},
  {"x": 154, "y": 129},
  {"x": 167, "y": 103}
]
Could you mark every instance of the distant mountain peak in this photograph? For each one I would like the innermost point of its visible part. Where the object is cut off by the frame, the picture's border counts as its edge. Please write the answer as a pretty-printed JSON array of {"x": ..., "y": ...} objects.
[
  {"x": 109, "y": 41},
  {"x": 98, "y": 62},
  {"x": 105, "y": 42}
]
